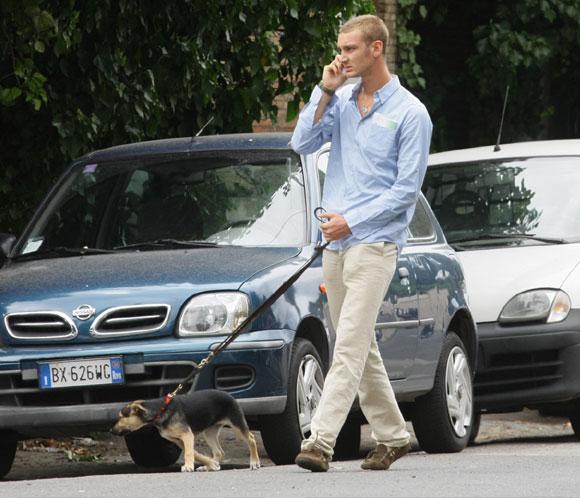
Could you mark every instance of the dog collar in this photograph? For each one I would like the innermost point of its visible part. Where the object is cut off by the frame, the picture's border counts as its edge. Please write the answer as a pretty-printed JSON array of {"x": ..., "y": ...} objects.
[{"x": 167, "y": 399}]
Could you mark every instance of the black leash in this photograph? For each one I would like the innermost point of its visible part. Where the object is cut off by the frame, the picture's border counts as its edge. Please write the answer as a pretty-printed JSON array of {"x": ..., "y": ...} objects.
[{"x": 168, "y": 398}]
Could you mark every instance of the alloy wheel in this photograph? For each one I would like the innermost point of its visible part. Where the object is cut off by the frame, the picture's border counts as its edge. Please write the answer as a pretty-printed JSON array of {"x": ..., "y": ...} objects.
[
  {"x": 459, "y": 391},
  {"x": 308, "y": 391}
]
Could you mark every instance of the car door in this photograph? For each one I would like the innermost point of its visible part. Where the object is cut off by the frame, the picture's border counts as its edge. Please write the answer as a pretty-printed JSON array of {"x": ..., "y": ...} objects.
[
  {"x": 430, "y": 273},
  {"x": 397, "y": 324}
]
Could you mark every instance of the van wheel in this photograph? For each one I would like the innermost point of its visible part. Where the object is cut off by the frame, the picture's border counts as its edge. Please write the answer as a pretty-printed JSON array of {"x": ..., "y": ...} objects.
[
  {"x": 148, "y": 449},
  {"x": 282, "y": 434},
  {"x": 7, "y": 451},
  {"x": 443, "y": 418}
]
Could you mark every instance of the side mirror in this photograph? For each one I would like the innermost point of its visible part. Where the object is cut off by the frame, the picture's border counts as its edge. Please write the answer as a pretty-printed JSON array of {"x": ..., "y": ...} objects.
[{"x": 7, "y": 241}]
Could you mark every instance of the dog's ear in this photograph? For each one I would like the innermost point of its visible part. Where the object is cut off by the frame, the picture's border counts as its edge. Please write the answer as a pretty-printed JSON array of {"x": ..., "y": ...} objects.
[{"x": 138, "y": 409}]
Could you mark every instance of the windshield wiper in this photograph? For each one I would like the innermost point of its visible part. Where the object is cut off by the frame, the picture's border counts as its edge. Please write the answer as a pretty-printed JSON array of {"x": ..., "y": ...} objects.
[
  {"x": 164, "y": 243},
  {"x": 54, "y": 252},
  {"x": 508, "y": 236}
]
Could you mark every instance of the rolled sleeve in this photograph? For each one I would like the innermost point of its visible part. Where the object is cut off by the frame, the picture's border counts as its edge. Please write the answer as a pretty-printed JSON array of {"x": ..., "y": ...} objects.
[{"x": 308, "y": 136}]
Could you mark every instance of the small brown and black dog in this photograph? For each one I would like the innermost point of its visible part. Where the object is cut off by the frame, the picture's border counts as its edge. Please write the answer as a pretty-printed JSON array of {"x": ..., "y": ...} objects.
[{"x": 187, "y": 416}]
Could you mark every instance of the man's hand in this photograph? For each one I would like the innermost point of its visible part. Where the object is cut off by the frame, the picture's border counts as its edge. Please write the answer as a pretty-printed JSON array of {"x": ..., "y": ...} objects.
[
  {"x": 333, "y": 75},
  {"x": 335, "y": 228}
]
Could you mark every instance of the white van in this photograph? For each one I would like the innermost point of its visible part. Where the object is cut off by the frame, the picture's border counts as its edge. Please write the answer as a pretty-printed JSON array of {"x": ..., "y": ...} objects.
[{"x": 513, "y": 216}]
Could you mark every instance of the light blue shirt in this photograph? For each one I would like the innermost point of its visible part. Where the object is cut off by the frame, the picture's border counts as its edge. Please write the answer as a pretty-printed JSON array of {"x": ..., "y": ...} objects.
[{"x": 377, "y": 162}]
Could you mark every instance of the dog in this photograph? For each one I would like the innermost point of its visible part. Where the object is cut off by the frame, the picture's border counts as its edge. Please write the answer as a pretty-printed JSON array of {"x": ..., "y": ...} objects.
[{"x": 202, "y": 412}]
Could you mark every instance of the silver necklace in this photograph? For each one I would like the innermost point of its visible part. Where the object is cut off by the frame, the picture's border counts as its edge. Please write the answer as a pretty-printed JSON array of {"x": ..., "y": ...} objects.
[{"x": 365, "y": 108}]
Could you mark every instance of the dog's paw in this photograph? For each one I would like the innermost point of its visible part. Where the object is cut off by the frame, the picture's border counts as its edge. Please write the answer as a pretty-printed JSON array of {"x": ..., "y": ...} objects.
[
  {"x": 212, "y": 467},
  {"x": 187, "y": 468},
  {"x": 255, "y": 465}
]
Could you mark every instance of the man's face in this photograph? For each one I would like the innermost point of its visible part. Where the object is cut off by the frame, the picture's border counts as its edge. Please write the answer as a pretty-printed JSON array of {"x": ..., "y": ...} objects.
[{"x": 356, "y": 55}]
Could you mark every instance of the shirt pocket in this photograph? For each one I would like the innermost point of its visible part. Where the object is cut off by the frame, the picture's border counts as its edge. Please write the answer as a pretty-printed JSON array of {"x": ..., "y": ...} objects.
[
  {"x": 379, "y": 152},
  {"x": 381, "y": 143}
]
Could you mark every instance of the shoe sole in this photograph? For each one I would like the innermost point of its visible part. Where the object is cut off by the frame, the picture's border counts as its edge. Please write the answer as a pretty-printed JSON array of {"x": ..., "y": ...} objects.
[{"x": 308, "y": 464}]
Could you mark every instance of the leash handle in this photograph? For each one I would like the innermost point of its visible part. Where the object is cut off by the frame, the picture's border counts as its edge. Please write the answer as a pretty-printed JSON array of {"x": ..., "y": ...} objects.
[{"x": 317, "y": 212}]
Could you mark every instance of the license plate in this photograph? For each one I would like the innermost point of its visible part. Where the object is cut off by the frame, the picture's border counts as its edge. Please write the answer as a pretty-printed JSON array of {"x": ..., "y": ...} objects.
[{"x": 87, "y": 372}]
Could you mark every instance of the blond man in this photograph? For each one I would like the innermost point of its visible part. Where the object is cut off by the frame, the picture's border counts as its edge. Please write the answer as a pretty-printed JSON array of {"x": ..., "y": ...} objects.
[{"x": 380, "y": 135}]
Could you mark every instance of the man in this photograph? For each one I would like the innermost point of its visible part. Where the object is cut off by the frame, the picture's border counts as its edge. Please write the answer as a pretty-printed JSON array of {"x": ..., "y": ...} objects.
[{"x": 380, "y": 135}]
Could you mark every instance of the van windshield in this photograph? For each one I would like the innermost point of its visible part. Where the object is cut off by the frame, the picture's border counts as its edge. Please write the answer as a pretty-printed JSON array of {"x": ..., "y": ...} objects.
[
  {"x": 520, "y": 201},
  {"x": 247, "y": 198}
]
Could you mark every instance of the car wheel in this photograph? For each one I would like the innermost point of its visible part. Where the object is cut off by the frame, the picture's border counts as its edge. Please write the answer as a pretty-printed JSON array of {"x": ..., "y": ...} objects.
[
  {"x": 575, "y": 421},
  {"x": 474, "y": 428},
  {"x": 7, "y": 451},
  {"x": 347, "y": 445},
  {"x": 282, "y": 434},
  {"x": 443, "y": 418},
  {"x": 148, "y": 449}
]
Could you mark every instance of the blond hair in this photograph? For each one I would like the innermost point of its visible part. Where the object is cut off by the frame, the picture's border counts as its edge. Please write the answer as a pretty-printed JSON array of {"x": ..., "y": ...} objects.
[{"x": 372, "y": 28}]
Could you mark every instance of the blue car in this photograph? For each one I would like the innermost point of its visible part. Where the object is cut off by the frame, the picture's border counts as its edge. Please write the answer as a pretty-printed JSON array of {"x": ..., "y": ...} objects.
[{"x": 143, "y": 257}]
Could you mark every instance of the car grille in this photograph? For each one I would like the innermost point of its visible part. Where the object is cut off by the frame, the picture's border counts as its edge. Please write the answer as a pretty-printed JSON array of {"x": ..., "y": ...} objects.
[
  {"x": 232, "y": 377},
  {"x": 518, "y": 371},
  {"x": 40, "y": 326},
  {"x": 129, "y": 320},
  {"x": 156, "y": 380}
]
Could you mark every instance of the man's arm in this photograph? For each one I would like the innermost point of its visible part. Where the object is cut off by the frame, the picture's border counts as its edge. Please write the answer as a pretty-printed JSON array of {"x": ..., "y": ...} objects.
[
  {"x": 316, "y": 120},
  {"x": 412, "y": 165},
  {"x": 315, "y": 123}
]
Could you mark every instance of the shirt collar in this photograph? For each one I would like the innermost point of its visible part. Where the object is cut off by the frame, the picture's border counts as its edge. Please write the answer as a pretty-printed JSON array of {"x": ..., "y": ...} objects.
[{"x": 382, "y": 93}]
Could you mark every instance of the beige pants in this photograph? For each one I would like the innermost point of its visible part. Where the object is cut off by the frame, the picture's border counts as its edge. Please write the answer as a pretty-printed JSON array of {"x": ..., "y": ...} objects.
[{"x": 356, "y": 282}]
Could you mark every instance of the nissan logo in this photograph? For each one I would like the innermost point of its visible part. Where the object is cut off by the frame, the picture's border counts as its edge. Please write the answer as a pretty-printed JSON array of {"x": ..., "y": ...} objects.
[{"x": 84, "y": 312}]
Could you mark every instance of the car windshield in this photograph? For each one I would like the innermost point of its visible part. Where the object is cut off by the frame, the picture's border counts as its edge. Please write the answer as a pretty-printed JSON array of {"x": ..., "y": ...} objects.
[
  {"x": 509, "y": 202},
  {"x": 242, "y": 198}
]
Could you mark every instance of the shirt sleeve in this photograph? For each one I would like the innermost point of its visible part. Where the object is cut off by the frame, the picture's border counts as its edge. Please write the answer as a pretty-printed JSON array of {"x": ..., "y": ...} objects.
[
  {"x": 413, "y": 153},
  {"x": 308, "y": 137}
]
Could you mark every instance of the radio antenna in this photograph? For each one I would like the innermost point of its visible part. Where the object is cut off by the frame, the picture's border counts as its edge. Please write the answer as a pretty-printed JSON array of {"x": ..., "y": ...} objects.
[
  {"x": 202, "y": 128},
  {"x": 497, "y": 147}
]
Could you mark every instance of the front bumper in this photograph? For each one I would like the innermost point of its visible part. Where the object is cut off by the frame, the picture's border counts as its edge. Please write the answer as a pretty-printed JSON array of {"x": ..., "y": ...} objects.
[
  {"x": 528, "y": 365},
  {"x": 253, "y": 369}
]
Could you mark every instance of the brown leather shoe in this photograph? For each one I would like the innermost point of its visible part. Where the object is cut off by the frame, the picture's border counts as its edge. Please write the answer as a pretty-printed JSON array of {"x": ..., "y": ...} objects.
[
  {"x": 313, "y": 459},
  {"x": 382, "y": 457}
]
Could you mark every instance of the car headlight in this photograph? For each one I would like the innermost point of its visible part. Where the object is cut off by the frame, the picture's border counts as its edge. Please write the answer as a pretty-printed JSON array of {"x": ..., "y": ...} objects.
[
  {"x": 214, "y": 313},
  {"x": 550, "y": 305}
]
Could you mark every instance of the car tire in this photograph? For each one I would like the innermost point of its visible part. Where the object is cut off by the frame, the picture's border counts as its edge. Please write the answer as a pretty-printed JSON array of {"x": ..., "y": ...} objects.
[
  {"x": 282, "y": 434},
  {"x": 575, "y": 422},
  {"x": 8, "y": 443},
  {"x": 474, "y": 428},
  {"x": 439, "y": 426},
  {"x": 347, "y": 445},
  {"x": 148, "y": 449}
]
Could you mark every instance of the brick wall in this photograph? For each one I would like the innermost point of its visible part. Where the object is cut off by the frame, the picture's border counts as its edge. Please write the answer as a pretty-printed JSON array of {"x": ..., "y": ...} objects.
[{"x": 387, "y": 10}]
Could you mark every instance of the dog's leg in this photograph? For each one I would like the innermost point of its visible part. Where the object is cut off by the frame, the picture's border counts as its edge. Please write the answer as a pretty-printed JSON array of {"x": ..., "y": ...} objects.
[
  {"x": 186, "y": 440},
  {"x": 188, "y": 444},
  {"x": 208, "y": 464},
  {"x": 249, "y": 438},
  {"x": 211, "y": 436}
]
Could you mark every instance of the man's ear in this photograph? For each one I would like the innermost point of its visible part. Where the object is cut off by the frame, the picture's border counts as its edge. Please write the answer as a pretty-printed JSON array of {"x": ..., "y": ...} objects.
[{"x": 378, "y": 48}]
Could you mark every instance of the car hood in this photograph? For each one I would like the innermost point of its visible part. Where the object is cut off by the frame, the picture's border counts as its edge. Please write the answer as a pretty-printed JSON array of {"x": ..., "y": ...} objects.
[
  {"x": 494, "y": 276},
  {"x": 106, "y": 280}
]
